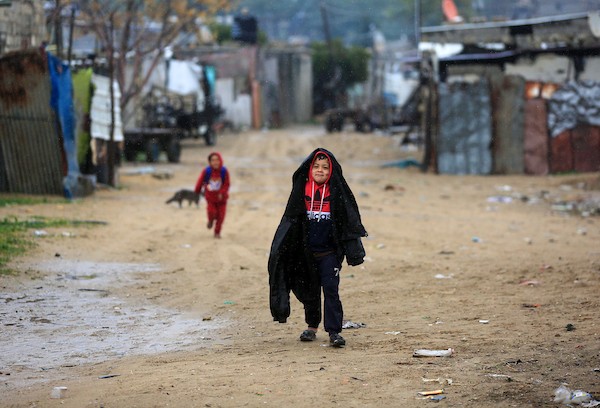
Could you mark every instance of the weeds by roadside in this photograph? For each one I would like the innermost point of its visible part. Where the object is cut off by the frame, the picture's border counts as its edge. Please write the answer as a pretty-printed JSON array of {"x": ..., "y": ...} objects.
[{"x": 14, "y": 240}]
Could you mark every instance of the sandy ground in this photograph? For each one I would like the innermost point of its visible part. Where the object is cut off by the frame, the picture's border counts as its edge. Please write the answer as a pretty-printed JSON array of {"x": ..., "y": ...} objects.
[{"x": 150, "y": 311}]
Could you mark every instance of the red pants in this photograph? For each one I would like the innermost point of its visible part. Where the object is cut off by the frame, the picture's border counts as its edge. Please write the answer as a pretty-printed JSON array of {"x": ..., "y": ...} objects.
[{"x": 216, "y": 213}]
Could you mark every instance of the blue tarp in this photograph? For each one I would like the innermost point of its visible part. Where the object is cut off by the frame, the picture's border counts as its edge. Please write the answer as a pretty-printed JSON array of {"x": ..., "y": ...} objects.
[{"x": 61, "y": 101}]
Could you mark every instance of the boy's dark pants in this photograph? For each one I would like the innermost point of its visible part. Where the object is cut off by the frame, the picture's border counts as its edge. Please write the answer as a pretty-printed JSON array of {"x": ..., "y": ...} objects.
[{"x": 329, "y": 270}]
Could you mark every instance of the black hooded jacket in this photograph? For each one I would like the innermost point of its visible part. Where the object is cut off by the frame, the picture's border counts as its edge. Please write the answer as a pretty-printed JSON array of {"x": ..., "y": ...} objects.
[{"x": 291, "y": 266}]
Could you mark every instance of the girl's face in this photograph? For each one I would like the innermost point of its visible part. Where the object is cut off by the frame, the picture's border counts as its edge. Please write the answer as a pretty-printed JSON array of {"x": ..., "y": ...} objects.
[
  {"x": 320, "y": 170},
  {"x": 215, "y": 163}
]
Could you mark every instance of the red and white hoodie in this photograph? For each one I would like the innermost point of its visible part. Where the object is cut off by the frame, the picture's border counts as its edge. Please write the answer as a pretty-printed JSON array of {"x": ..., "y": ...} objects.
[{"x": 317, "y": 200}]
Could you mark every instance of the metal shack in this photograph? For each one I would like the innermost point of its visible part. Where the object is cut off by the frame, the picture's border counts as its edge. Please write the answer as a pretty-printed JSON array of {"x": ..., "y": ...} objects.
[
  {"x": 37, "y": 144},
  {"x": 523, "y": 96}
]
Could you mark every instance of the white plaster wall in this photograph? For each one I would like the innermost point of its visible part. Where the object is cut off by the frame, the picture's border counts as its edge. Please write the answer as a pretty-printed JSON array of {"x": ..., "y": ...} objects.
[
  {"x": 554, "y": 68},
  {"x": 544, "y": 68},
  {"x": 592, "y": 69}
]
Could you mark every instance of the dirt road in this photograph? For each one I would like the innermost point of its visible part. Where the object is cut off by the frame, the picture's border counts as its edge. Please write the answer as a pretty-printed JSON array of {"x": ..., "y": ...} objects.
[{"x": 151, "y": 311}]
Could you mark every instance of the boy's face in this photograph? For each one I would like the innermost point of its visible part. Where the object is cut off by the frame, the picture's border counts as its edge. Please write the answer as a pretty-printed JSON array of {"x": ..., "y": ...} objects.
[
  {"x": 215, "y": 163},
  {"x": 320, "y": 170}
]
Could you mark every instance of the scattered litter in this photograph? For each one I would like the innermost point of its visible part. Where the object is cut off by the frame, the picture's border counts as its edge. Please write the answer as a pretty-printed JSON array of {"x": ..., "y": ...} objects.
[
  {"x": 565, "y": 207},
  {"x": 582, "y": 231},
  {"x": 531, "y": 305},
  {"x": 380, "y": 246},
  {"x": 564, "y": 395},
  {"x": 40, "y": 233},
  {"x": 391, "y": 187},
  {"x": 570, "y": 327},
  {"x": 352, "y": 325},
  {"x": 165, "y": 175},
  {"x": 529, "y": 282},
  {"x": 476, "y": 240},
  {"x": 228, "y": 302},
  {"x": 58, "y": 392},
  {"x": 186, "y": 246},
  {"x": 137, "y": 171},
  {"x": 433, "y": 353},
  {"x": 437, "y": 398},
  {"x": 102, "y": 377},
  {"x": 439, "y": 380},
  {"x": 440, "y": 276},
  {"x": 500, "y": 376},
  {"x": 484, "y": 321},
  {"x": 500, "y": 199},
  {"x": 393, "y": 333},
  {"x": 428, "y": 393}
]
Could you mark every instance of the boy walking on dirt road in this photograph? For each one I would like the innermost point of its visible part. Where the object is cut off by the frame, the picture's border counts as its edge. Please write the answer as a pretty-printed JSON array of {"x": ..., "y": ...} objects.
[{"x": 320, "y": 227}]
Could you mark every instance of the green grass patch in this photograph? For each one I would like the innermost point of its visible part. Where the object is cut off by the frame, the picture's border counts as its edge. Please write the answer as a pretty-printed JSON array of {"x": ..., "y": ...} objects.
[
  {"x": 14, "y": 238},
  {"x": 6, "y": 201}
]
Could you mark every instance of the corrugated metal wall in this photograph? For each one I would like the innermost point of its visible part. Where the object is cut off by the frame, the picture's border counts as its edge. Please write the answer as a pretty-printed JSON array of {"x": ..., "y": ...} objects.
[
  {"x": 465, "y": 128},
  {"x": 508, "y": 108},
  {"x": 536, "y": 143},
  {"x": 576, "y": 149},
  {"x": 30, "y": 150}
]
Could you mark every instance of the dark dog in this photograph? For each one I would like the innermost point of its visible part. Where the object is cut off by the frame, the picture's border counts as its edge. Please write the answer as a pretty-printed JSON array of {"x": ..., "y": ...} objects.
[{"x": 185, "y": 195}]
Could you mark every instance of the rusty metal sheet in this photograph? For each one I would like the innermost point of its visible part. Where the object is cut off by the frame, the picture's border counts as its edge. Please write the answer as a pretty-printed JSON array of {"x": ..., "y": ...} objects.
[
  {"x": 465, "y": 129},
  {"x": 561, "y": 153},
  {"x": 586, "y": 148},
  {"x": 576, "y": 149},
  {"x": 536, "y": 141},
  {"x": 30, "y": 151}
]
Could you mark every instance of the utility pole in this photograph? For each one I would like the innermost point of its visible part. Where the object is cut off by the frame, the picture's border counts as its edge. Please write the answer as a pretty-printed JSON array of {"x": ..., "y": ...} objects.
[
  {"x": 332, "y": 84},
  {"x": 58, "y": 38},
  {"x": 326, "y": 28},
  {"x": 71, "y": 27},
  {"x": 110, "y": 150},
  {"x": 417, "y": 24}
]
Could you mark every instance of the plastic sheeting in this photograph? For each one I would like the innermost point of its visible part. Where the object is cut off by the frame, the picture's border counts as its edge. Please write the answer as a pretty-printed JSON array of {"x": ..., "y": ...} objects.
[
  {"x": 61, "y": 101},
  {"x": 100, "y": 111},
  {"x": 572, "y": 104}
]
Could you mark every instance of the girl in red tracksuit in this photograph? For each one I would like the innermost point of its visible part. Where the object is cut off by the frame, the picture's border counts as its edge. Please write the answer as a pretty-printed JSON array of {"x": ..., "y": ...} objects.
[{"x": 214, "y": 183}]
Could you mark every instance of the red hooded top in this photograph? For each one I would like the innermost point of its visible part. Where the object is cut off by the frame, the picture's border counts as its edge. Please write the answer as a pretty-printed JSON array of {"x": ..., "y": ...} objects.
[
  {"x": 317, "y": 200},
  {"x": 214, "y": 182}
]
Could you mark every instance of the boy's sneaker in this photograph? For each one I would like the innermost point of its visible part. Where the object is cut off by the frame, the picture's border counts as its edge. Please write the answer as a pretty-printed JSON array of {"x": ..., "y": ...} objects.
[
  {"x": 209, "y": 224},
  {"x": 336, "y": 340},
  {"x": 308, "y": 335}
]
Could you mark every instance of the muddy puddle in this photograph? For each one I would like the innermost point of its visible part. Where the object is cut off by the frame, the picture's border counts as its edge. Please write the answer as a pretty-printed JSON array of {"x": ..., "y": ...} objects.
[{"x": 70, "y": 318}]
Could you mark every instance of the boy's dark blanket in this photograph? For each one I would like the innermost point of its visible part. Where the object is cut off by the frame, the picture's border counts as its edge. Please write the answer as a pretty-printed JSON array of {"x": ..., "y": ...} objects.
[{"x": 291, "y": 266}]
